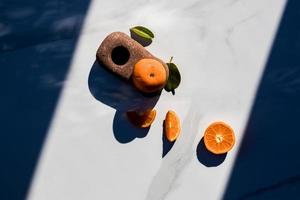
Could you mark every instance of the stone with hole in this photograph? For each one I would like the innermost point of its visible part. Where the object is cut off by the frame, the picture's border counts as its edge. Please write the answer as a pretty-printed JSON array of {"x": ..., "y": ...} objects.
[{"x": 119, "y": 53}]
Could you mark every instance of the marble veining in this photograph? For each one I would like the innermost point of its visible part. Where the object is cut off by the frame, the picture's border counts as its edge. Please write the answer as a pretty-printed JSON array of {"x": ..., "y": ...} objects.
[{"x": 176, "y": 160}]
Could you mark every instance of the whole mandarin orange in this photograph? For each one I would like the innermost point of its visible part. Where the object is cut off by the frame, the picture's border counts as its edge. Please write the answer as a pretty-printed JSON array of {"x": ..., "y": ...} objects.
[{"x": 149, "y": 75}]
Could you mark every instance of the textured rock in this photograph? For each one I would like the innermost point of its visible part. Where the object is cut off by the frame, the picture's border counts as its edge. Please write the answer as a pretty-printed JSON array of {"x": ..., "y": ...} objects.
[{"x": 119, "y": 53}]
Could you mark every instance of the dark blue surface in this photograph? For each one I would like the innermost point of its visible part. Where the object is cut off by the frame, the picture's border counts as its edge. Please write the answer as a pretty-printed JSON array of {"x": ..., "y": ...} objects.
[
  {"x": 268, "y": 162},
  {"x": 37, "y": 39}
]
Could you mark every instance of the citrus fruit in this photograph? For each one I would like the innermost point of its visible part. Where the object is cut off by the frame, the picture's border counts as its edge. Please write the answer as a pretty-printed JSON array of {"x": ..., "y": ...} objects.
[
  {"x": 142, "y": 119},
  {"x": 149, "y": 75},
  {"x": 172, "y": 126},
  {"x": 219, "y": 138}
]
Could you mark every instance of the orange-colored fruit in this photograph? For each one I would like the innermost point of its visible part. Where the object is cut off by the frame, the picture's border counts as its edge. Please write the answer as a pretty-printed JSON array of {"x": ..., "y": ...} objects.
[
  {"x": 172, "y": 126},
  {"x": 142, "y": 119},
  {"x": 149, "y": 75},
  {"x": 219, "y": 138}
]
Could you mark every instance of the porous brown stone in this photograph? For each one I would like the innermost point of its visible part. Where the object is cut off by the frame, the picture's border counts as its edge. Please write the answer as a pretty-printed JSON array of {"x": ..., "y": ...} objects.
[{"x": 119, "y": 53}]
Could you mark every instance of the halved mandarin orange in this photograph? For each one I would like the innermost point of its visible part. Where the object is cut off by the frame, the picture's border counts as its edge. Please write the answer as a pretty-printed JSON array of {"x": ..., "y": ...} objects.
[
  {"x": 219, "y": 138},
  {"x": 142, "y": 119},
  {"x": 172, "y": 126}
]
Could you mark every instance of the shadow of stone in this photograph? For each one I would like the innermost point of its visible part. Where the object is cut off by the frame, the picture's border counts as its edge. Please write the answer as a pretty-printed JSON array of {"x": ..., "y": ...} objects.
[{"x": 121, "y": 95}]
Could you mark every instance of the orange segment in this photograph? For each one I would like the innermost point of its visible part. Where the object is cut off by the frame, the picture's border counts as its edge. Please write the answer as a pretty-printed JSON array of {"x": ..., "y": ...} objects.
[
  {"x": 172, "y": 126},
  {"x": 219, "y": 138},
  {"x": 142, "y": 119},
  {"x": 149, "y": 75}
]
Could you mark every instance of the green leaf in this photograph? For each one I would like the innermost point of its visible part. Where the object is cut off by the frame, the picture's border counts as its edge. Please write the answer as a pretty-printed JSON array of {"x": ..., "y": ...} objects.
[
  {"x": 142, "y": 35},
  {"x": 174, "y": 78},
  {"x": 145, "y": 30}
]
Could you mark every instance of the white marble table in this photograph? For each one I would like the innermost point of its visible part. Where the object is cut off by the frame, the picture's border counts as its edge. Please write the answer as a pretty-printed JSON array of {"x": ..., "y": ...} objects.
[{"x": 220, "y": 47}]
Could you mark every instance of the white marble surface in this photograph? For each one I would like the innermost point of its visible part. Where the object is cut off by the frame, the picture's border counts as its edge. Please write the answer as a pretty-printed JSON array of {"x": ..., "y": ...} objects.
[{"x": 220, "y": 47}]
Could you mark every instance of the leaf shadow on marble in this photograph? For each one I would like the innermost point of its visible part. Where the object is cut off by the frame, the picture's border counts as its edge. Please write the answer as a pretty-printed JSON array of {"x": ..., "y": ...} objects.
[
  {"x": 167, "y": 145},
  {"x": 207, "y": 158},
  {"x": 121, "y": 95}
]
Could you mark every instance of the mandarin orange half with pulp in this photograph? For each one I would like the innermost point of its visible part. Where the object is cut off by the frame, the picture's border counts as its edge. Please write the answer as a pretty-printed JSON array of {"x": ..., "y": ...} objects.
[{"x": 219, "y": 138}]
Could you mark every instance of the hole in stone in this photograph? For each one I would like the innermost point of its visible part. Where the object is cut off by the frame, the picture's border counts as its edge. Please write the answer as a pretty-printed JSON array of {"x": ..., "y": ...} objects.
[{"x": 120, "y": 55}]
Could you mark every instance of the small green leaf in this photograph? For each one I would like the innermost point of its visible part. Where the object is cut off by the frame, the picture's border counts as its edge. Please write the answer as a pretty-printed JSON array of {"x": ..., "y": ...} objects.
[
  {"x": 142, "y": 35},
  {"x": 174, "y": 78},
  {"x": 145, "y": 30}
]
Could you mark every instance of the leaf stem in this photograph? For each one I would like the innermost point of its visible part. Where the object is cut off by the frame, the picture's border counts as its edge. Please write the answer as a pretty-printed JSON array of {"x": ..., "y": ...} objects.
[{"x": 171, "y": 59}]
